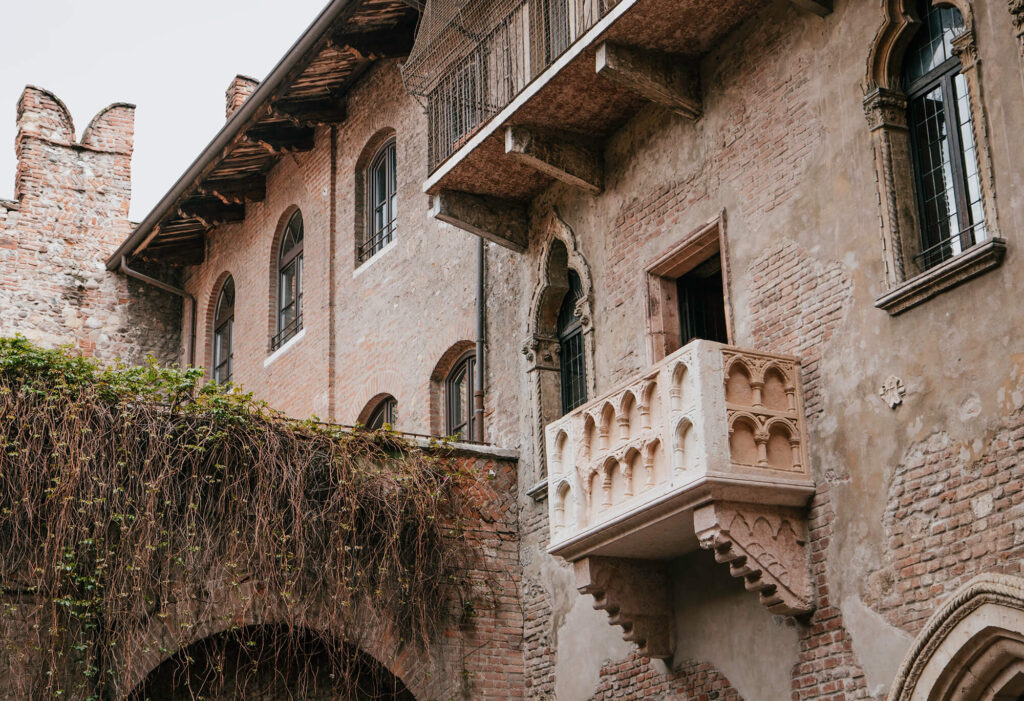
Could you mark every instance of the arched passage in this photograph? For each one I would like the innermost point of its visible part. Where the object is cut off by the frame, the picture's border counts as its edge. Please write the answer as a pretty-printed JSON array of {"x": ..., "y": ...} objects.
[{"x": 271, "y": 662}]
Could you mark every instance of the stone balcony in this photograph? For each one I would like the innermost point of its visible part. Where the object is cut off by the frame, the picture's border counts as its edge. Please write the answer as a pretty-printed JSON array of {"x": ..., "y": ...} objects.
[{"x": 705, "y": 449}]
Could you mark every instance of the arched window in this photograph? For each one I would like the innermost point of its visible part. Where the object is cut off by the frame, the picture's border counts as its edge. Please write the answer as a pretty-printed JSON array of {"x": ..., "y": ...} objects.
[
  {"x": 459, "y": 389},
  {"x": 224, "y": 333},
  {"x": 289, "y": 283},
  {"x": 946, "y": 177},
  {"x": 385, "y": 413},
  {"x": 573, "y": 367},
  {"x": 381, "y": 201}
]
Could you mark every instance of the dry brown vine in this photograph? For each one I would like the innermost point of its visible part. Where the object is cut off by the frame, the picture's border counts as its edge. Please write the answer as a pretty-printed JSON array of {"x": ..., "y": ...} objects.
[{"x": 140, "y": 512}]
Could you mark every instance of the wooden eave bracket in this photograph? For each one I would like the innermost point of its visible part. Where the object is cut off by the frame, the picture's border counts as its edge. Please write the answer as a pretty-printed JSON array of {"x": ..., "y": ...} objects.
[
  {"x": 282, "y": 138},
  {"x": 818, "y": 7},
  {"x": 636, "y": 594},
  {"x": 504, "y": 222},
  {"x": 670, "y": 80},
  {"x": 322, "y": 111},
  {"x": 394, "y": 42},
  {"x": 236, "y": 190},
  {"x": 211, "y": 211},
  {"x": 565, "y": 158},
  {"x": 765, "y": 546}
]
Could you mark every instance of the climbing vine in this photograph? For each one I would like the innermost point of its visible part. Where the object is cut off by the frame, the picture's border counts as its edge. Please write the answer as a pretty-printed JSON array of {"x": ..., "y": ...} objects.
[{"x": 142, "y": 510}]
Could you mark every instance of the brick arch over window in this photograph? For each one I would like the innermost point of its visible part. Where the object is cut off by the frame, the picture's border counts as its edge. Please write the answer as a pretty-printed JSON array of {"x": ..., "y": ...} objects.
[
  {"x": 971, "y": 648},
  {"x": 374, "y": 404},
  {"x": 560, "y": 253},
  {"x": 360, "y": 209},
  {"x": 208, "y": 320},
  {"x": 273, "y": 259},
  {"x": 886, "y": 110},
  {"x": 438, "y": 376},
  {"x": 420, "y": 671}
]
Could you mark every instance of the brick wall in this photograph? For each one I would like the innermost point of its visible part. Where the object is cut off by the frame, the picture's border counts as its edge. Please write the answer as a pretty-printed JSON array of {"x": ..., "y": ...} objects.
[
  {"x": 69, "y": 214},
  {"x": 633, "y": 678}
]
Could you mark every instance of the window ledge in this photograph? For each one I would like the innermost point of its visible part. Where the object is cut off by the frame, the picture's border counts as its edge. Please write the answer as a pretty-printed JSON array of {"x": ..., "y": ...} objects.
[
  {"x": 539, "y": 491},
  {"x": 375, "y": 257},
  {"x": 285, "y": 348},
  {"x": 976, "y": 260}
]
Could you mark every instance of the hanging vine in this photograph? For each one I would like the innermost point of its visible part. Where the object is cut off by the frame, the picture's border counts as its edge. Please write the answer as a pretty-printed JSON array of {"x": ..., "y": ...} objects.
[{"x": 141, "y": 509}]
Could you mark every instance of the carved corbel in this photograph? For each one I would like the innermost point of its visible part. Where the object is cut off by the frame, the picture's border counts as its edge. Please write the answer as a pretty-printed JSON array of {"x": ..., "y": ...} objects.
[
  {"x": 1016, "y": 8},
  {"x": 636, "y": 595},
  {"x": 766, "y": 546}
]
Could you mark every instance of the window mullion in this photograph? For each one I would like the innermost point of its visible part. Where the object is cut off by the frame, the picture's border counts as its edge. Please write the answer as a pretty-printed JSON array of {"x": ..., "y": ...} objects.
[{"x": 956, "y": 156}]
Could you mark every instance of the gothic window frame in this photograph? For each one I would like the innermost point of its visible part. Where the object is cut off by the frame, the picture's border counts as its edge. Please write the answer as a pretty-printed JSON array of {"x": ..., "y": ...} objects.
[
  {"x": 223, "y": 333},
  {"x": 384, "y": 413},
  {"x": 571, "y": 352},
  {"x": 380, "y": 198},
  {"x": 289, "y": 267},
  {"x": 907, "y": 282}
]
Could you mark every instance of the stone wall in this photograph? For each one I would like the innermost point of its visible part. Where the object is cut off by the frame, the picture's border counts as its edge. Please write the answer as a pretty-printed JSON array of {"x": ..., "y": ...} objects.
[{"x": 69, "y": 214}]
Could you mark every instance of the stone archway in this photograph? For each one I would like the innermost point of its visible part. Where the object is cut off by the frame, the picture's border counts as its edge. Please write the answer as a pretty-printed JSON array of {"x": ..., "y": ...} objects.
[
  {"x": 270, "y": 662},
  {"x": 560, "y": 253},
  {"x": 972, "y": 649}
]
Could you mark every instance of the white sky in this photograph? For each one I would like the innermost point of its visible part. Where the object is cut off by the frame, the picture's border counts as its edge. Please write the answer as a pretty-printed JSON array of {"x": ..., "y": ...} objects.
[{"x": 173, "y": 60}]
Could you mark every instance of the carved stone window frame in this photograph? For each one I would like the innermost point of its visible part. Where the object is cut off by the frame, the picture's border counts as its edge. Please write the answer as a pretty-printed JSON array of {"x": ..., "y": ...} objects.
[
  {"x": 662, "y": 322},
  {"x": 885, "y": 107},
  {"x": 541, "y": 348}
]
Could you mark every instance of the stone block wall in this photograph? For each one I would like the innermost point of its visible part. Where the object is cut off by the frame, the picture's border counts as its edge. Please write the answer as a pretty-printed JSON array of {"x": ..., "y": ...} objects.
[{"x": 69, "y": 214}]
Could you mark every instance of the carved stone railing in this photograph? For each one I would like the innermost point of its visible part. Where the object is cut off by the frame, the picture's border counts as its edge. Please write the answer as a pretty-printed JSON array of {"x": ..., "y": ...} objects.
[{"x": 705, "y": 449}]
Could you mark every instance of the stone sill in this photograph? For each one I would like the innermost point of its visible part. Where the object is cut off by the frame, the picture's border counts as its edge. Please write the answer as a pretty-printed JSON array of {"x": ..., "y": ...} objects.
[
  {"x": 480, "y": 450},
  {"x": 285, "y": 348},
  {"x": 976, "y": 260},
  {"x": 539, "y": 491}
]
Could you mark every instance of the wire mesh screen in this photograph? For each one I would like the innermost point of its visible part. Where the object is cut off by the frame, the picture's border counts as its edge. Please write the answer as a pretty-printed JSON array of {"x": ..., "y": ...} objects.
[{"x": 472, "y": 57}]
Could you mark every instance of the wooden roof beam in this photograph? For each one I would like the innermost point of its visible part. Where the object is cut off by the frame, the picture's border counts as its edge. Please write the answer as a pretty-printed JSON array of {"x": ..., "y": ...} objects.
[
  {"x": 282, "y": 138},
  {"x": 320, "y": 111},
  {"x": 395, "y": 42},
  {"x": 668, "y": 79},
  {"x": 237, "y": 191},
  {"x": 210, "y": 211},
  {"x": 505, "y": 222},
  {"x": 568, "y": 159}
]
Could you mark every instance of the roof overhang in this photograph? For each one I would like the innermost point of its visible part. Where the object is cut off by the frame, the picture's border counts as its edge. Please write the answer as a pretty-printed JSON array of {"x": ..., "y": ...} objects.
[{"x": 306, "y": 89}]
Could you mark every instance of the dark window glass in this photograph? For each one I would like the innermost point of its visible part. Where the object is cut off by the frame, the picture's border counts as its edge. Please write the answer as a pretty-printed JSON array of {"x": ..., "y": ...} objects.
[
  {"x": 381, "y": 201},
  {"x": 946, "y": 178},
  {"x": 223, "y": 333},
  {"x": 702, "y": 303},
  {"x": 289, "y": 283},
  {"x": 556, "y": 27},
  {"x": 386, "y": 412},
  {"x": 459, "y": 398},
  {"x": 572, "y": 358}
]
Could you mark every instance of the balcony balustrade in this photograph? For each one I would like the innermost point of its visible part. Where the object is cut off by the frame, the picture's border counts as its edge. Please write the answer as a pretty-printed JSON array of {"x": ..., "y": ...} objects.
[{"x": 705, "y": 449}]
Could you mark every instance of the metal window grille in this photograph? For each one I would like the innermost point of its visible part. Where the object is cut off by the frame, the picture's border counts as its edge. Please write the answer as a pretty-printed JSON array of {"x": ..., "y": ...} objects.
[
  {"x": 381, "y": 201},
  {"x": 472, "y": 57},
  {"x": 947, "y": 182},
  {"x": 572, "y": 359}
]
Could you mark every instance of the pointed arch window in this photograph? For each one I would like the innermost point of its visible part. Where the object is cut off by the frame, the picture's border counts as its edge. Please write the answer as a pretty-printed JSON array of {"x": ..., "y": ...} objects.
[
  {"x": 381, "y": 201},
  {"x": 572, "y": 358},
  {"x": 289, "y": 283},
  {"x": 946, "y": 176},
  {"x": 224, "y": 333},
  {"x": 459, "y": 390}
]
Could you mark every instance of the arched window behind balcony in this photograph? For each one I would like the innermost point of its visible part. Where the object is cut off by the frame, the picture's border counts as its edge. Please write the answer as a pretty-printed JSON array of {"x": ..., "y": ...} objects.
[
  {"x": 224, "y": 332},
  {"x": 385, "y": 413},
  {"x": 946, "y": 178},
  {"x": 459, "y": 419},
  {"x": 289, "y": 283},
  {"x": 573, "y": 367}
]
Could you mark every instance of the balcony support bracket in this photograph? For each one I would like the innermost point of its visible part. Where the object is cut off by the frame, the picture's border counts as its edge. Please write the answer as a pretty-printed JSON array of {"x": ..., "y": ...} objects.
[
  {"x": 818, "y": 7},
  {"x": 564, "y": 158},
  {"x": 503, "y": 221},
  {"x": 636, "y": 595},
  {"x": 766, "y": 546},
  {"x": 668, "y": 79}
]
